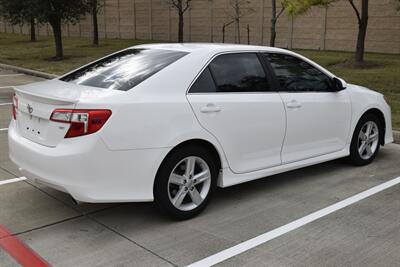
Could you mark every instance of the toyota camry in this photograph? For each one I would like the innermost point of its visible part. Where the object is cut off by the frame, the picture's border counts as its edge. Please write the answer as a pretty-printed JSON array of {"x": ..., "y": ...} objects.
[{"x": 170, "y": 122}]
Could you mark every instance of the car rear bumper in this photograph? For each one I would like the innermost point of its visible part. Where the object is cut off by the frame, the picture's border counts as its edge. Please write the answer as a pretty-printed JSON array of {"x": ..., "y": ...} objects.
[{"x": 86, "y": 169}]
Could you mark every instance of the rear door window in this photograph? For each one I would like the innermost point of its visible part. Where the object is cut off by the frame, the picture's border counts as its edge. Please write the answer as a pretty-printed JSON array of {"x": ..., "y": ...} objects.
[
  {"x": 204, "y": 83},
  {"x": 124, "y": 70},
  {"x": 240, "y": 72}
]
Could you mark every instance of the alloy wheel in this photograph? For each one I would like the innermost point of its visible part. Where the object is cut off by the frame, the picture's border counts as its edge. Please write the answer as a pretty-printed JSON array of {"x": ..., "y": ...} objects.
[
  {"x": 368, "y": 140},
  {"x": 189, "y": 183}
]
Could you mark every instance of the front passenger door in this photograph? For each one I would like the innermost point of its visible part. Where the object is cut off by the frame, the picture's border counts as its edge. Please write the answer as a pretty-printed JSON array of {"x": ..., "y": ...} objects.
[{"x": 318, "y": 118}]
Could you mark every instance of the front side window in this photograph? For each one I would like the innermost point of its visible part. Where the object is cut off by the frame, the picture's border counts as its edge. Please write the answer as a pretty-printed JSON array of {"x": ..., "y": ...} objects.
[
  {"x": 233, "y": 73},
  {"x": 124, "y": 70},
  {"x": 296, "y": 75}
]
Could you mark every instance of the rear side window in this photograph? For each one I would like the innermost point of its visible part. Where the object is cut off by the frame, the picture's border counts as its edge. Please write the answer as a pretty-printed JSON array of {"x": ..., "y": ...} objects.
[
  {"x": 241, "y": 72},
  {"x": 204, "y": 83},
  {"x": 124, "y": 70},
  {"x": 296, "y": 75}
]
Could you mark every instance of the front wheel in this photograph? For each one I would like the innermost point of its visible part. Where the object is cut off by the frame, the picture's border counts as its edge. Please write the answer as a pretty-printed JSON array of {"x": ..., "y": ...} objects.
[
  {"x": 185, "y": 182},
  {"x": 366, "y": 140}
]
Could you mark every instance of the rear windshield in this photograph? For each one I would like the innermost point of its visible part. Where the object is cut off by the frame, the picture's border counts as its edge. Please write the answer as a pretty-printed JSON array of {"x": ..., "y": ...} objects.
[{"x": 124, "y": 70}]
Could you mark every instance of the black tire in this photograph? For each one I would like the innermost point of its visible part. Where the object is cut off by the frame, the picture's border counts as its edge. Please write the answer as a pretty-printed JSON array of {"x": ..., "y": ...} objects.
[
  {"x": 355, "y": 157},
  {"x": 161, "y": 185}
]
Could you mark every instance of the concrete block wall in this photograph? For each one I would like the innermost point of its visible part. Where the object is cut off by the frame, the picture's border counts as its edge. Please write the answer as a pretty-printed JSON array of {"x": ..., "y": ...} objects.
[{"x": 332, "y": 28}]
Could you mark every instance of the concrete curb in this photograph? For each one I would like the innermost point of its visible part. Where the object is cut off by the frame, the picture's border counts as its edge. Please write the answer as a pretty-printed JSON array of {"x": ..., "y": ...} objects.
[
  {"x": 396, "y": 136},
  {"x": 28, "y": 71}
]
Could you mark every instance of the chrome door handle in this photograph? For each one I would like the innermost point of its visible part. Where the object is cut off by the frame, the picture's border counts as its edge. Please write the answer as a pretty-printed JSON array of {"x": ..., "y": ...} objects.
[
  {"x": 210, "y": 108},
  {"x": 293, "y": 104}
]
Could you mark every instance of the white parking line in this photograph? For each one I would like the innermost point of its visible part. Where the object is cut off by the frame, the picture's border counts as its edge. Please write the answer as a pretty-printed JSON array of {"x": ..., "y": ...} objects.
[
  {"x": 9, "y": 181},
  {"x": 3, "y": 129},
  {"x": 5, "y": 87},
  {"x": 10, "y": 75},
  {"x": 261, "y": 239},
  {"x": 5, "y": 104}
]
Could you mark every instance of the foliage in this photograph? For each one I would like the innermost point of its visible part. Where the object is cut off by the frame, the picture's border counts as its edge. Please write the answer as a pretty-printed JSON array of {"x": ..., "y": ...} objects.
[
  {"x": 18, "y": 11},
  {"x": 94, "y": 6},
  {"x": 297, "y": 7},
  {"x": 292, "y": 8},
  {"x": 56, "y": 12},
  {"x": 60, "y": 10}
]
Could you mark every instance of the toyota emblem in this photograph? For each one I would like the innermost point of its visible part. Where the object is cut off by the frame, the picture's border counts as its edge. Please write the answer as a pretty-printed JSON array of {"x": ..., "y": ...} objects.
[{"x": 29, "y": 108}]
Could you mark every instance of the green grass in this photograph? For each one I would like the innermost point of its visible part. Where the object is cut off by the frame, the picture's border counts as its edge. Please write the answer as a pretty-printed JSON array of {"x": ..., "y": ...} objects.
[{"x": 17, "y": 50}]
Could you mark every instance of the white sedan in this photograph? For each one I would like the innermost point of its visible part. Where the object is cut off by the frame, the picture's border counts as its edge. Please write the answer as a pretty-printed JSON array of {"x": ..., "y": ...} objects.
[{"x": 170, "y": 122}]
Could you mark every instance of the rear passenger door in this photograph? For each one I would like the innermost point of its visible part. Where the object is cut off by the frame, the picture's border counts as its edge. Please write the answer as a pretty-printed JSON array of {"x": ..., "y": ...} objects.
[{"x": 233, "y": 99}]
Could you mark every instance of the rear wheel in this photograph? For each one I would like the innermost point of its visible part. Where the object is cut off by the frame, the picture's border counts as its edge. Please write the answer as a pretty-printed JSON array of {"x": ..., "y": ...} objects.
[
  {"x": 185, "y": 182},
  {"x": 366, "y": 140}
]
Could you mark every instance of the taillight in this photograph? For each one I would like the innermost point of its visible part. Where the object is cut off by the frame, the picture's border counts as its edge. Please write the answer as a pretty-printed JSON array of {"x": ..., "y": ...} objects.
[
  {"x": 82, "y": 122},
  {"x": 14, "y": 107}
]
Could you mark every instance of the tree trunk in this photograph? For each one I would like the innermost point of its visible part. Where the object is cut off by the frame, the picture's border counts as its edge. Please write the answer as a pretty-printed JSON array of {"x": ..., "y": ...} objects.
[
  {"x": 237, "y": 20},
  {"x": 180, "y": 27},
  {"x": 33, "y": 32},
  {"x": 95, "y": 24},
  {"x": 273, "y": 33},
  {"x": 273, "y": 24},
  {"x": 362, "y": 32},
  {"x": 248, "y": 34},
  {"x": 56, "y": 25},
  {"x": 223, "y": 33},
  {"x": 238, "y": 30}
]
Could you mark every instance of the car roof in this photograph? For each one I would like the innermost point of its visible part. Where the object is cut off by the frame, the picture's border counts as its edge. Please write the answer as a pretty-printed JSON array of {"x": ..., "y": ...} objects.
[
  {"x": 198, "y": 50},
  {"x": 209, "y": 47}
]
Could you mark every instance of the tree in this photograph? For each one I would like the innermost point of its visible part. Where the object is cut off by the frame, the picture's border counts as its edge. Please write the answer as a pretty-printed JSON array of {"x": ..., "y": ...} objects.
[
  {"x": 56, "y": 12},
  {"x": 362, "y": 17},
  {"x": 238, "y": 9},
  {"x": 293, "y": 8},
  {"x": 19, "y": 12},
  {"x": 300, "y": 6},
  {"x": 297, "y": 7},
  {"x": 94, "y": 6},
  {"x": 181, "y": 7},
  {"x": 223, "y": 29},
  {"x": 274, "y": 19}
]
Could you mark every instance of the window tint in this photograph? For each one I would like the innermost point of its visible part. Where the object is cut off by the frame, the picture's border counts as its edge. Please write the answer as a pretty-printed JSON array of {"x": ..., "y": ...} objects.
[
  {"x": 239, "y": 73},
  {"x": 296, "y": 75},
  {"x": 124, "y": 70},
  {"x": 204, "y": 83}
]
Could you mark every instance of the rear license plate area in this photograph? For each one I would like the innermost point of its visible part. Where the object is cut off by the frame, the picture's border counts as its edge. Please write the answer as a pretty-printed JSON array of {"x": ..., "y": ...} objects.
[{"x": 31, "y": 127}]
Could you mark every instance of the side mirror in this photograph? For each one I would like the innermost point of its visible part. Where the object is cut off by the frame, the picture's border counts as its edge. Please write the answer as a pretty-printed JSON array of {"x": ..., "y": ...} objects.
[{"x": 338, "y": 84}]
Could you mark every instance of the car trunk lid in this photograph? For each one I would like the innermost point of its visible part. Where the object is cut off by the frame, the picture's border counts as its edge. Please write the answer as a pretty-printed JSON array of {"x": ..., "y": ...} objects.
[{"x": 36, "y": 103}]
